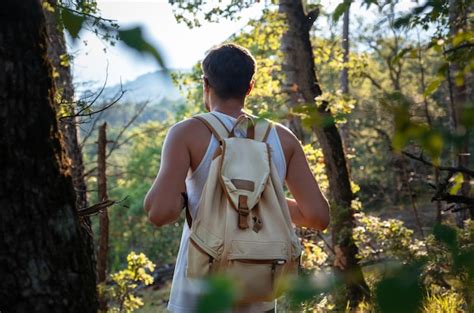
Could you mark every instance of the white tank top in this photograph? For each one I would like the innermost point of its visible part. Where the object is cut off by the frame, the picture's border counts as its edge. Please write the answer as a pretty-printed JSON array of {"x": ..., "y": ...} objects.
[{"x": 184, "y": 293}]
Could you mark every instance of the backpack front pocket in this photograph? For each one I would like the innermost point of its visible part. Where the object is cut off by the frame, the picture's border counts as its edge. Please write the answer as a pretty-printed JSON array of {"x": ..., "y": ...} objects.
[
  {"x": 256, "y": 280},
  {"x": 257, "y": 269}
]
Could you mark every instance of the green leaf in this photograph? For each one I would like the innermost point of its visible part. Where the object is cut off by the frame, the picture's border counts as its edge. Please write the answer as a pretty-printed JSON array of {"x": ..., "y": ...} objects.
[
  {"x": 340, "y": 9},
  {"x": 401, "y": 54},
  {"x": 72, "y": 22},
  {"x": 466, "y": 260},
  {"x": 433, "y": 86},
  {"x": 467, "y": 117},
  {"x": 401, "y": 291},
  {"x": 403, "y": 21},
  {"x": 307, "y": 286},
  {"x": 446, "y": 235},
  {"x": 219, "y": 296},
  {"x": 458, "y": 179},
  {"x": 133, "y": 38}
]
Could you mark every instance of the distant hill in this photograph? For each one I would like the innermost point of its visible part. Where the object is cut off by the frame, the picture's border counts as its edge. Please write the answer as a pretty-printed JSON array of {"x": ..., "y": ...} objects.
[{"x": 156, "y": 88}]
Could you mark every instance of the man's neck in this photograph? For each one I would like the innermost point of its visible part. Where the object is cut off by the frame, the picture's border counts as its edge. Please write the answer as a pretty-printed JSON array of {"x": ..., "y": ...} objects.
[{"x": 231, "y": 107}]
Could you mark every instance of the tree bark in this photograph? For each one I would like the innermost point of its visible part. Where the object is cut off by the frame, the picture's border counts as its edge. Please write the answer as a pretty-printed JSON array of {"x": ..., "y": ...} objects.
[
  {"x": 104, "y": 217},
  {"x": 44, "y": 263},
  {"x": 299, "y": 69},
  {"x": 458, "y": 12},
  {"x": 57, "y": 53},
  {"x": 58, "y": 56},
  {"x": 345, "y": 74}
]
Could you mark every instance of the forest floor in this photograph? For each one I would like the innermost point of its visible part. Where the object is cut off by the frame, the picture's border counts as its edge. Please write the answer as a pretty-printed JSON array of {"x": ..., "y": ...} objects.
[
  {"x": 155, "y": 300},
  {"x": 425, "y": 210}
]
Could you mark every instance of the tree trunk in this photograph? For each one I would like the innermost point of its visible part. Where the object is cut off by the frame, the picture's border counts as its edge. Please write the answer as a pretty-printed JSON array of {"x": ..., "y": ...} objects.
[
  {"x": 104, "y": 217},
  {"x": 44, "y": 264},
  {"x": 458, "y": 22},
  {"x": 299, "y": 69},
  {"x": 345, "y": 74},
  {"x": 58, "y": 56}
]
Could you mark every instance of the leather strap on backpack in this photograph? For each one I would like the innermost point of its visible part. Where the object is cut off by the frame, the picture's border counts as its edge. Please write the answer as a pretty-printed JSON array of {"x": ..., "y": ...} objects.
[
  {"x": 250, "y": 126},
  {"x": 214, "y": 124},
  {"x": 243, "y": 211},
  {"x": 257, "y": 128},
  {"x": 262, "y": 129}
]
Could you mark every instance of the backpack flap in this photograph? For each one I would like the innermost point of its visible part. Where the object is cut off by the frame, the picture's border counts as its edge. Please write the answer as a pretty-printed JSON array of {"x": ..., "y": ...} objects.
[{"x": 245, "y": 169}]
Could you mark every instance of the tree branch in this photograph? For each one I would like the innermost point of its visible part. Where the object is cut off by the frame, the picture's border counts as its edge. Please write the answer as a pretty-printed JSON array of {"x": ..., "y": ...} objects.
[
  {"x": 94, "y": 209},
  {"x": 311, "y": 18},
  {"x": 457, "y": 169}
]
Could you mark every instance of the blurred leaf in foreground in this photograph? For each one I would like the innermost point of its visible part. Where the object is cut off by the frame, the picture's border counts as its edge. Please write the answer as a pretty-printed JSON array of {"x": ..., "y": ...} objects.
[
  {"x": 219, "y": 296},
  {"x": 401, "y": 290}
]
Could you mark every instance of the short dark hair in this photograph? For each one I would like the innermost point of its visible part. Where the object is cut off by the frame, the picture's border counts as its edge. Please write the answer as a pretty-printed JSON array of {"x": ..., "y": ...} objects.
[{"x": 229, "y": 69}]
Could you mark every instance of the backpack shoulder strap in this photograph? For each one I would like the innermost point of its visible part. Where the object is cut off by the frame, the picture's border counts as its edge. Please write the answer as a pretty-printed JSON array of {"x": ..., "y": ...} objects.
[
  {"x": 257, "y": 128},
  {"x": 262, "y": 129},
  {"x": 214, "y": 124}
]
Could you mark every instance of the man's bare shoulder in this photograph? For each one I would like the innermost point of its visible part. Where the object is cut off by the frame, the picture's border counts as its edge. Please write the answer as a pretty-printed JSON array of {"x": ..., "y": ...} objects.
[
  {"x": 287, "y": 138},
  {"x": 189, "y": 129}
]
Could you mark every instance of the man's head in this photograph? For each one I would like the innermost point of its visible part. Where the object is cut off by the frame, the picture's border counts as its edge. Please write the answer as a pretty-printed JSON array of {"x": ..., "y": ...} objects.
[{"x": 228, "y": 70}]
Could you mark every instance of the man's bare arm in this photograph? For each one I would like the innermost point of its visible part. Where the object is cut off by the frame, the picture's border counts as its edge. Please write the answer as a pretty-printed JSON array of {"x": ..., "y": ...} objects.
[
  {"x": 163, "y": 201},
  {"x": 310, "y": 207}
]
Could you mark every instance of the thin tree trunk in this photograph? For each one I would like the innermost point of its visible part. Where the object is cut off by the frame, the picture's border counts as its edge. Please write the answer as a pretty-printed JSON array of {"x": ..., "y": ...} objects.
[
  {"x": 458, "y": 22},
  {"x": 429, "y": 120},
  {"x": 104, "y": 217},
  {"x": 44, "y": 264},
  {"x": 299, "y": 68},
  {"x": 345, "y": 74}
]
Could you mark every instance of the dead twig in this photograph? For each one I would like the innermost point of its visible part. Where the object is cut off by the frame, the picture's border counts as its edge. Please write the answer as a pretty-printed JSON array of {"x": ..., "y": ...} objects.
[{"x": 96, "y": 208}]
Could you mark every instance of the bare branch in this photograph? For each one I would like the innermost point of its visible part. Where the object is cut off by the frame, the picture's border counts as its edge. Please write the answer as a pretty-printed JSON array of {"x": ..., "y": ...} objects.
[
  {"x": 463, "y": 46},
  {"x": 122, "y": 131},
  {"x": 95, "y": 17},
  {"x": 80, "y": 114},
  {"x": 311, "y": 18},
  {"x": 458, "y": 169},
  {"x": 94, "y": 209},
  {"x": 92, "y": 128},
  {"x": 97, "y": 96},
  {"x": 129, "y": 138}
]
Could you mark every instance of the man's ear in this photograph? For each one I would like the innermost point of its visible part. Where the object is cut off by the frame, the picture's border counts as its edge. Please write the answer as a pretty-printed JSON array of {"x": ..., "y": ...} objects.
[
  {"x": 206, "y": 85},
  {"x": 250, "y": 87}
]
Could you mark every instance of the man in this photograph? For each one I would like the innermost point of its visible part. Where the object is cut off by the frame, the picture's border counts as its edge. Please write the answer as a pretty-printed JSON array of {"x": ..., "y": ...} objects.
[{"x": 187, "y": 153}]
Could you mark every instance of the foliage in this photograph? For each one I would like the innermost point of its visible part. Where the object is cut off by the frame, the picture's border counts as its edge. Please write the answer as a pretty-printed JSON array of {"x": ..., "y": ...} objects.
[
  {"x": 314, "y": 255},
  {"x": 193, "y": 13},
  {"x": 377, "y": 238},
  {"x": 316, "y": 163},
  {"x": 445, "y": 302},
  {"x": 457, "y": 250},
  {"x": 121, "y": 292}
]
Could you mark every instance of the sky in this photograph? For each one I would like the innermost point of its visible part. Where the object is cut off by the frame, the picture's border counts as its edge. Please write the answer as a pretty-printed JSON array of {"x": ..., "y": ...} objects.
[{"x": 181, "y": 47}]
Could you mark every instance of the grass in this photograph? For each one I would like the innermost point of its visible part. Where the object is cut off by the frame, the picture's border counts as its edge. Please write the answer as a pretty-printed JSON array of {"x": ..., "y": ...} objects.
[{"x": 155, "y": 300}]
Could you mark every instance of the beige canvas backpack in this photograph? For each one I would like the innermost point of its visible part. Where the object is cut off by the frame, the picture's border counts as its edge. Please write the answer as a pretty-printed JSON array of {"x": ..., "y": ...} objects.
[{"x": 243, "y": 228}]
